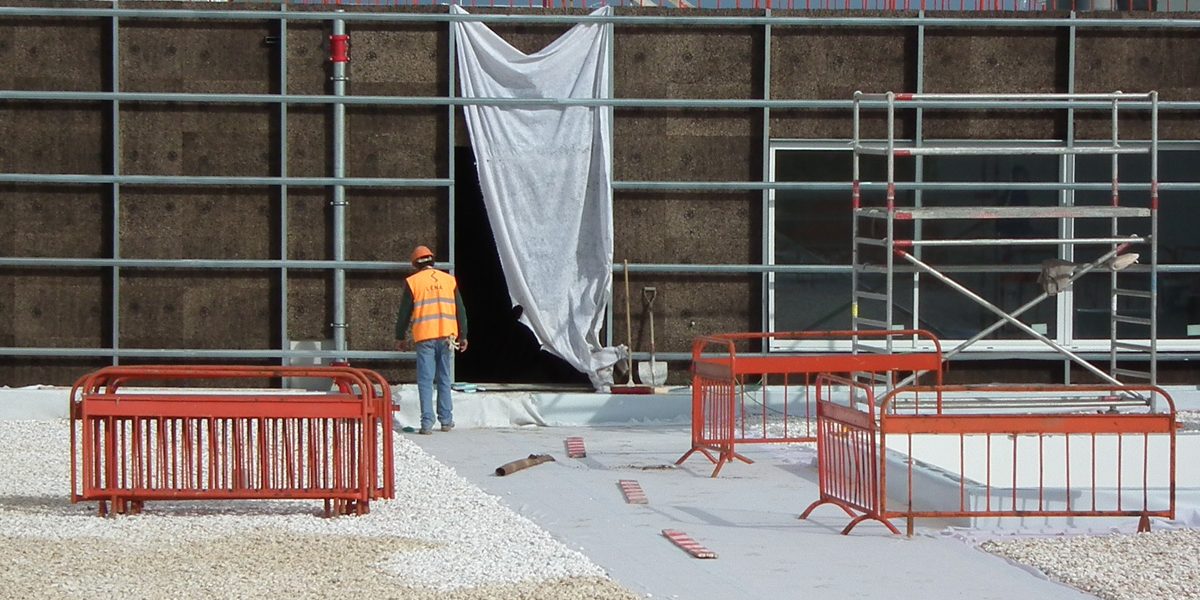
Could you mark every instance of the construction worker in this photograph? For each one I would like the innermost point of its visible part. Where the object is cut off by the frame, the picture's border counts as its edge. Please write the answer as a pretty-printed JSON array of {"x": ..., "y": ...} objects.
[{"x": 433, "y": 309}]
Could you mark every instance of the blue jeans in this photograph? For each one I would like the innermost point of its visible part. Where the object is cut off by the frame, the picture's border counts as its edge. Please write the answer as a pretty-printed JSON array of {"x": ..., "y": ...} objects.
[{"x": 433, "y": 365}]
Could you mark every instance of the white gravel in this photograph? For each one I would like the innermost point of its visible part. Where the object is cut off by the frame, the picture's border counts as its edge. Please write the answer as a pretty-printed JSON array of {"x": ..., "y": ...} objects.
[
  {"x": 1158, "y": 565},
  {"x": 440, "y": 538},
  {"x": 1189, "y": 420}
]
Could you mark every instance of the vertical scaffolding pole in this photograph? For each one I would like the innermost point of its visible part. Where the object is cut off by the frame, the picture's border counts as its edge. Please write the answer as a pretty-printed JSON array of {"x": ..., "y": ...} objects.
[
  {"x": 768, "y": 194},
  {"x": 283, "y": 188},
  {"x": 339, "y": 190},
  {"x": 891, "y": 215},
  {"x": 1154, "y": 242},
  {"x": 451, "y": 163},
  {"x": 115, "y": 189},
  {"x": 1113, "y": 296},
  {"x": 855, "y": 205},
  {"x": 609, "y": 61}
]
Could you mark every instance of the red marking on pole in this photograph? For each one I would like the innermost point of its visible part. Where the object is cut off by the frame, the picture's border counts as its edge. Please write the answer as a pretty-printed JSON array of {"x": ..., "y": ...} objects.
[
  {"x": 339, "y": 48},
  {"x": 633, "y": 492},
  {"x": 575, "y": 448},
  {"x": 688, "y": 545}
]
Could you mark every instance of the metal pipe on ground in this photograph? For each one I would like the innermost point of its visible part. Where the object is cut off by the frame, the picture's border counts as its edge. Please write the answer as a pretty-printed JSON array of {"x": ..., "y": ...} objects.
[{"x": 524, "y": 463}]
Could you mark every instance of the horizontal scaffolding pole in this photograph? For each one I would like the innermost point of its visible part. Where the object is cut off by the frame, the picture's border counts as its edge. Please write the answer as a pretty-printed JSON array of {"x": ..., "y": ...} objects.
[
  {"x": 382, "y": 182},
  {"x": 913, "y": 97},
  {"x": 63, "y": 178},
  {"x": 189, "y": 263},
  {"x": 665, "y": 268},
  {"x": 349, "y": 13},
  {"x": 249, "y": 354},
  {"x": 728, "y": 103},
  {"x": 995, "y": 150},
  {"x": 1018, "y": 241}
]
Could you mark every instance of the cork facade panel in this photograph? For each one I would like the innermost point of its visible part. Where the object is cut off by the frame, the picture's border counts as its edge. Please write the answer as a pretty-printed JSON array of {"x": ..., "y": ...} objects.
[
  {"x": 25, "y": 371},
  {"x": 823, "y": 124},
  {"x": 310, "y": 226},
  {"x": 309, "y": 141},
  {"x": 396, "y": 141},
  {"x": 372, "y": 300},
  {"x": 1139, "y": 60},
  {"x": 33, "y": 55},
  {"x": 829, "y": 63},
  {"x": 309, "y": 305},
  {"x": 1008, "y": 60},
  {"x": 386, "y": 224},
  {"x": 197, "y": 57},
  {"x": 58, "y": 309},
  {"x": 687, "y": 145},
  {"x": 680, "y": 227},
  {"x": 680, "y": 63},
  {"x": 55, "y": 221},
  {"x": 199, "y": 309},
  {"x": 193, "y": 140},
  {"x": 199, "y": 223},
  {"x": 308, "y": 69},
  {"x": 408, "y": 59},
  {"x": 55, "y": 137}
]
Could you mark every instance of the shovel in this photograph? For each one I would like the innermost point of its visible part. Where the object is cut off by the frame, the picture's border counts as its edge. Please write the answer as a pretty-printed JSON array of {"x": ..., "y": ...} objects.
[{"x": 654, "y": 373}]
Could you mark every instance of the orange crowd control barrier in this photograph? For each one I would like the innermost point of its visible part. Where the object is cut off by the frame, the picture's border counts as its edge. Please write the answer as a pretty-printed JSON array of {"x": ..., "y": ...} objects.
[
  {"x": 745, "y": 395},
  {"x": 1017, "y": 451},
  {"x": 130, "y": 445}
]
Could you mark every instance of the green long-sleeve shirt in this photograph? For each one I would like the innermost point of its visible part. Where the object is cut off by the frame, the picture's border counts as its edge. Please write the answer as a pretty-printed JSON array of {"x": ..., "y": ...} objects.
[{"x": 404, "y": 315}]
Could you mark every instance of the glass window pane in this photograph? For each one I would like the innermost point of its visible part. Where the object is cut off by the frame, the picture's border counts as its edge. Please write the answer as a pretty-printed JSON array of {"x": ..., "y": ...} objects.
[
  {"x": 952, "y": 316},
  {"x": 813, "y": 226},
  {"x": 808, "y": 302},
  {"x": 983, "y": 169}
]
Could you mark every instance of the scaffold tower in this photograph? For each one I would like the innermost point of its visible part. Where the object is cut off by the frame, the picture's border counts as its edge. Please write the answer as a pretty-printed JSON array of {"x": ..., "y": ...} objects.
[{"x": 889, "y": 239}]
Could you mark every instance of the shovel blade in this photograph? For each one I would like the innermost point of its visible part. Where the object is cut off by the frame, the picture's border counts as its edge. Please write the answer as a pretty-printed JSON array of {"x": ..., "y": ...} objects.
[{"x": 652, "y": 373}]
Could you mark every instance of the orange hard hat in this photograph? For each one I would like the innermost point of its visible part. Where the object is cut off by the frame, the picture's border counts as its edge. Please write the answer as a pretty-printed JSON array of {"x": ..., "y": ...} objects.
[{"x": 420, "y": 253}]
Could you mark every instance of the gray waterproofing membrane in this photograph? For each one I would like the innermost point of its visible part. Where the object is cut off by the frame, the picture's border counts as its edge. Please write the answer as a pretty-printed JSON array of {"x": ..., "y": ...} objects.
[{"x": 747, "y": 516}]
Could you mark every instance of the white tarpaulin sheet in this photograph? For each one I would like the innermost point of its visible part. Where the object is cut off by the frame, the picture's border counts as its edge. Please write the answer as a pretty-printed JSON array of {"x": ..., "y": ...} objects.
[{"x": 545, "y": 172}]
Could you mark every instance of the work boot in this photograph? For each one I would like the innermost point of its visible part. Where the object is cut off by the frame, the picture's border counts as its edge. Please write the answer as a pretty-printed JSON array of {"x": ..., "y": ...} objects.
[
  {"x": 425, "y": 431},
  {"x": 448, "y": 427}
]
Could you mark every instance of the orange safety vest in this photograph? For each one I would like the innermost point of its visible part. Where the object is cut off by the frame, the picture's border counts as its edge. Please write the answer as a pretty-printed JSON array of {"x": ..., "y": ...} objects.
[{"x": 434, "y": 315}]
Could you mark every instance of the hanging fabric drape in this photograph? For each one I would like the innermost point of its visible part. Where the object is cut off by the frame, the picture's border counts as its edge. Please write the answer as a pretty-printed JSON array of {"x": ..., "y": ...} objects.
[{"x": 546, "y": 175}]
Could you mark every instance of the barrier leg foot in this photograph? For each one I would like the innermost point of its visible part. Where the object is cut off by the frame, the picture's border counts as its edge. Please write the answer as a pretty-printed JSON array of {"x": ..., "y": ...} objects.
[
  {"x": 814, "y": 505},
  {"x": 862, "y": 518},
  {"x": 1144, "y": 524},
  {"x": 102, "y": 508},
  {"x": 685, "y": 456}
]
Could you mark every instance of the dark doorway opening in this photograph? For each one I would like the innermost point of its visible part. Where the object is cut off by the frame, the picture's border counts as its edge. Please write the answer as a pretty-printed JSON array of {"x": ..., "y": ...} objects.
[{"x": 502, "y": 350}]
